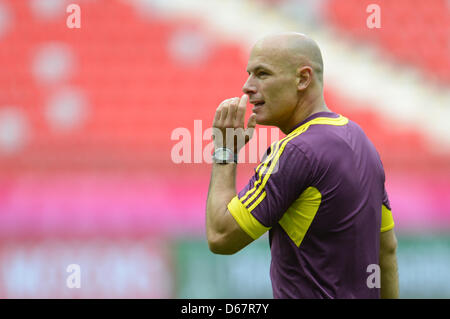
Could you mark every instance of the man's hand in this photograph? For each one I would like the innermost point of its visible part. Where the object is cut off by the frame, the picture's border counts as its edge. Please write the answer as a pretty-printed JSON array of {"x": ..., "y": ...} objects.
[
  {"x": 228, "y": 124},
  {"x": 224, "y": 234}
]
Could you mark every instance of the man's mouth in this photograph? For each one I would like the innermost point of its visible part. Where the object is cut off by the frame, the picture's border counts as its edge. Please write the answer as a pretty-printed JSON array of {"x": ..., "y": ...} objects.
[{"x": 258, "y": 104}]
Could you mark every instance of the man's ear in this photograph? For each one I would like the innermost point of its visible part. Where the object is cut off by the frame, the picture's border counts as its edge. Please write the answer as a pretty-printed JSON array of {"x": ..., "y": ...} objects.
[{"x": 304, "y": 77}]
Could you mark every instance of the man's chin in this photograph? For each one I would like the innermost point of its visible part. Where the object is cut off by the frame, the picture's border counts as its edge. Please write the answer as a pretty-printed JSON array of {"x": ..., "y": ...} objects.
[{"x": 261, "y": 120}]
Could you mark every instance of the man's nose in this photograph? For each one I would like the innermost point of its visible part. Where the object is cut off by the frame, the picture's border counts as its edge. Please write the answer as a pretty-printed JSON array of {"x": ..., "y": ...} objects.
[{"x": 248, "y": 87}]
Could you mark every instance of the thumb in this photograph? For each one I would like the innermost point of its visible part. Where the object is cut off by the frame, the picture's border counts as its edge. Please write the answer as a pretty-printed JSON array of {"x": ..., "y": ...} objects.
[
  {"x": 251, "y": 121},
  {"x": 251, "y": 124}
]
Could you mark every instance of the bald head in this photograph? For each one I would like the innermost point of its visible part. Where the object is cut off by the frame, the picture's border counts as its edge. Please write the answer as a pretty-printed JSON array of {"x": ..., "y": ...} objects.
[
  {"x": 293, "y": 49},
  {"x": 285, "y": 80}
]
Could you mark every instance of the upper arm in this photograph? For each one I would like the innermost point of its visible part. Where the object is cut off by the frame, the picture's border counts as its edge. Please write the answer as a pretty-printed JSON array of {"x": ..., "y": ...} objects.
[
  {"x": 264, "y": 200},
  {"x": 232, "y": 239},
  {"x": 277, "y": 183},
  {"x": 388, "y": 243}
]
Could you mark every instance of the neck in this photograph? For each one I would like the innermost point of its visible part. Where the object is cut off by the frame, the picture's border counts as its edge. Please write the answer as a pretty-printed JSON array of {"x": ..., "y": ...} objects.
[{"x": 304, "y": 109}]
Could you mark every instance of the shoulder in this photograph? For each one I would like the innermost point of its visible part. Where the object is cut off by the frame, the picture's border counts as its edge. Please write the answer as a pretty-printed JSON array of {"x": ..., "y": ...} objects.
[
  {"x": 288, "y": 156},
  {"x": 288, "y": 147},
  {"x": 308, "y": 143}
]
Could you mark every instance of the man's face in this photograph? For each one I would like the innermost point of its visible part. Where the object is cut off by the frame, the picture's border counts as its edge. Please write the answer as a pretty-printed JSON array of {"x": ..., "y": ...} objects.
[{"x": 271, "y": 85}]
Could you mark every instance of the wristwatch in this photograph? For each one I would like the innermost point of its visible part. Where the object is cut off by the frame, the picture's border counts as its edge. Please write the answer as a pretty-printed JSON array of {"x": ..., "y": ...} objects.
[{"x": 223, "y": 155}]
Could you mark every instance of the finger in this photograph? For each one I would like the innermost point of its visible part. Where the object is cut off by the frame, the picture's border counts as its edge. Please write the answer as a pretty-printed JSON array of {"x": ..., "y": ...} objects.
[
  {"x": 224, "y": 112},
  {"x": 217, "y": 116},
  {"x": 240, "y": 113},
  {"x": 219, "y": 109},
  {"x": 236, "y": 104},
  {"x": 231, "y": 111},
  {"x": 243, "y": 101}
]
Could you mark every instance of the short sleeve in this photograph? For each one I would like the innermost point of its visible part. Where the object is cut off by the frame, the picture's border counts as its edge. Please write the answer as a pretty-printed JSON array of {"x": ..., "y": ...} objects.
[
  {"x": 387, "y": 221},
  {"x": 278, "y": 181}
]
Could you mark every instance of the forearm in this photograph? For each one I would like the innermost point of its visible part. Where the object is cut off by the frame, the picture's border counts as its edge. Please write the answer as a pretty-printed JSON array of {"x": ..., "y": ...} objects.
[
  {"x": 222, "y": 189},
  {"x": 389, "y": 276}
]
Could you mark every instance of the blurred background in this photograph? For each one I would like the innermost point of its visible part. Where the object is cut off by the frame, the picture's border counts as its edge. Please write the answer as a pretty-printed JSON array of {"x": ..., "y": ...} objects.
[{"x": 90, "y": 122}]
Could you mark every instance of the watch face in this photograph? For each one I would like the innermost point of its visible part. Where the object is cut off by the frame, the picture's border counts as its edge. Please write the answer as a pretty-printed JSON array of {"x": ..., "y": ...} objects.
[{"x": 222, "y": 154}]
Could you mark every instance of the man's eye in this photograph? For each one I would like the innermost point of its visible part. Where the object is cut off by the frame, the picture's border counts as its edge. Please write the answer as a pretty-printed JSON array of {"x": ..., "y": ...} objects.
[{"x": 262, "y": 73}]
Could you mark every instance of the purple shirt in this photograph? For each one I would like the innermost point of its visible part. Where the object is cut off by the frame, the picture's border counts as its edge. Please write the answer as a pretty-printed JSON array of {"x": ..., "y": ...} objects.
[{"x": 320, "y": 193}]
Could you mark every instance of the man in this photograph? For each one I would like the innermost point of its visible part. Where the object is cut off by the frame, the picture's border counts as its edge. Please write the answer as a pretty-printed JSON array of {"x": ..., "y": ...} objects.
[{"x": 320, "y": 190}]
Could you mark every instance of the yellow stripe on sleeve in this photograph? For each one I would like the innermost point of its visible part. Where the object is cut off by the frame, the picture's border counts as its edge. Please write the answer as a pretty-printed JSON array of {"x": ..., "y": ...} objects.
[
  {"x": 272, "y": 165},
  {"x": 245, "y": 219},
  {"x": 261, "y": 171},
  {"x": 256, "y": 190},
  {"x": 259, "y": 200},
  {"x": 387, "y": 221}
]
